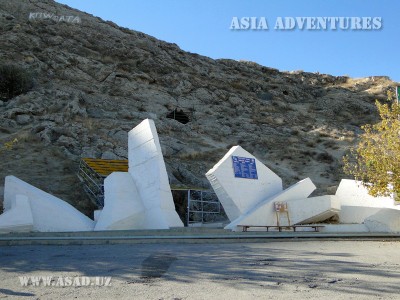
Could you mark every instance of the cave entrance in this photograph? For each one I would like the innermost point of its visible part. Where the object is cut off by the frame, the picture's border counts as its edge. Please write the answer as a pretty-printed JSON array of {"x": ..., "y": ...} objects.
[{"x": 181, "y": 115}]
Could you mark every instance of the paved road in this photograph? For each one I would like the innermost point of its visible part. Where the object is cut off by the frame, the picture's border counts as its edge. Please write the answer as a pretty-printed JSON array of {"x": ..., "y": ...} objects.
[{"x": 272, "y": 270}]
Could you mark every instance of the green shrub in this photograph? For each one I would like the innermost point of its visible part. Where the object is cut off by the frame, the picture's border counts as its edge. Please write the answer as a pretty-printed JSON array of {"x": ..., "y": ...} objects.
[{"x": 14, "y": 80}]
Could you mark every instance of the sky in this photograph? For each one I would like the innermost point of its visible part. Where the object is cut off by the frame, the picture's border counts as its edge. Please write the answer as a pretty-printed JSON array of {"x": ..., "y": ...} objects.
[{"x": 204, "y": 27}]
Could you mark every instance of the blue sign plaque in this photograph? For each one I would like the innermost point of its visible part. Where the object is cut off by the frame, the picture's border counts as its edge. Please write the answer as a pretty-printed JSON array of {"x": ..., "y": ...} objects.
[{"x": 244, "y": 167}]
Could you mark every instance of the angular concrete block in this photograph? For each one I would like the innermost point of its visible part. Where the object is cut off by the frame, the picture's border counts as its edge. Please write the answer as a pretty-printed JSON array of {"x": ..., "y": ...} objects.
[
  {"x": 357, "y": 204},
  {"x": 356, "y": 214},
  {"x": 385, "y": 220},
  {"x": 157, "y": 218},
  {"x": 123, "y": 209},
  {"x": 49, "y": 212},
  {"x": 147, "y": 168},
  {"x": 263, "y": 213},
  {"x": 353, "y": 193},
  {"x": 238, "y": 195},
  {"x": 18, "y": 218},
  {"x": 96, "y": 214},
  {"x": 313, "y": 210}
]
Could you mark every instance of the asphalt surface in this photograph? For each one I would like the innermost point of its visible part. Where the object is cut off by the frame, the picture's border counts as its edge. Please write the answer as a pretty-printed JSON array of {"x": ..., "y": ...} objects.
[{"x": 300, "y": 269}]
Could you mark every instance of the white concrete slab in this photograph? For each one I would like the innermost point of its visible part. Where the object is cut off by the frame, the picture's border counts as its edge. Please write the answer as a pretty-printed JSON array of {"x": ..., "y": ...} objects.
[
  {"x": 49, "y": 212},
  {"x": 123, "y": 208},
  {"x": 18, "y": 218},
  {"x": 263, "y": 213},
  {"x": 341, "y": 228},
  {"x": 96, "y": 214},
  {"x": 238, "y": 195},
  {"x": 353, "y": 193},
  {"x": 147, "y": 168},
  {"x": 385, "y": 220},
  {"x": 313, "y": 210},
  {"x": 356, "y": 214}
]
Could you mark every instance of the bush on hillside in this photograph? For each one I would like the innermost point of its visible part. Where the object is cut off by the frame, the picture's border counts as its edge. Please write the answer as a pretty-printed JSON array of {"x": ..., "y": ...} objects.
[{"x": 14, "y": 80}]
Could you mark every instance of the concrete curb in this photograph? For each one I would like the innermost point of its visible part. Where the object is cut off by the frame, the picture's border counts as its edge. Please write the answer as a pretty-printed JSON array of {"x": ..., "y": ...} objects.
[{"x": 173, "y": 237}]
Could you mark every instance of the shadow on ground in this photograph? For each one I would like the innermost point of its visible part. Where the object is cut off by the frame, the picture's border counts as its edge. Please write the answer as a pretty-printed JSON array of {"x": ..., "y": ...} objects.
[{"x": 267, "y": 266}]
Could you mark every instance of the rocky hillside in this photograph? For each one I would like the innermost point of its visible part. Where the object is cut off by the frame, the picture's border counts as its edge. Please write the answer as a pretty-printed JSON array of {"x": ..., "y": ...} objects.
[{"x": 93, "y": 81}]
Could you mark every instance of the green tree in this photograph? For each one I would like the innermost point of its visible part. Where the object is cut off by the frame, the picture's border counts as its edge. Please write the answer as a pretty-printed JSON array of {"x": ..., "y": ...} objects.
[{"x": 375, "y": 160}]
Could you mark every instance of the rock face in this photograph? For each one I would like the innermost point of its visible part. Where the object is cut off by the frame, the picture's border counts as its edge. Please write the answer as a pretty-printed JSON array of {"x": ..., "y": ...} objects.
[{"x": 94, "y": 81}]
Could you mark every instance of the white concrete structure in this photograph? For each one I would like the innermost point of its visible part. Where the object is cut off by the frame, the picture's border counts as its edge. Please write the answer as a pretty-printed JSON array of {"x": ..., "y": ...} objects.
[
  {"x": 250, "y": 200},
  {"x": 338, "y": 228},
  {"x": 138, "y": 199},
  {"x": 147, "y": 168},
  {"x": 48, "y": 212},
  {"x": 356, "y": 214},
  {"x": 353, "y": 193},
  {"x": 96, "y": 214},
  {"x": 357, "y": 204},
  {"x": 313, "y": 209},
  {"x": 263, "y": 213},
  {"x": 239, "y": 195},
  {"x": 385, "y": 220},
  {"x": 248, "y": 190},
  {"x": 123, "y": 208},
  {"x": 18, "y": 218}
]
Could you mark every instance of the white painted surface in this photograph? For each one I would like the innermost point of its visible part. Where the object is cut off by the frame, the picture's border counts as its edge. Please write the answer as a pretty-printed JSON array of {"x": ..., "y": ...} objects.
[
  {"x": 147, "y": 168},
  {"x": 356, "y": 214},
  {"x": 123, "y": 209},
  {"x": 263, "y": 213},
  {"x": 239, "y": 195},
  {"x": 385, "y": 220},
  {"x": 2, "y": 195},
  {"x": 96, "y": 214},
  {"x": 340, "y": 228},
  {"x": 49, "y": 212},
  {"x": 18, "y": 218},
  {"x": 313, "y": 210},
  {"x": 353, "y": 193}
]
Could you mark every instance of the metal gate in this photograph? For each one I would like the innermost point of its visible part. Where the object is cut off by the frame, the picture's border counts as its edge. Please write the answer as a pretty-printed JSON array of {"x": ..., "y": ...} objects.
[{"x": 204, "y": 207}]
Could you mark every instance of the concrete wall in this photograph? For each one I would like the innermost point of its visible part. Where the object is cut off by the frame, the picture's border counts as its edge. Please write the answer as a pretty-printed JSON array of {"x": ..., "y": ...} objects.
[
  {"x": 339, "y": 228},
  {"x": 49, "y": 212},
  {"x": 385, "y": 220},
  {"x": 147, "y": 168},
  {"x": 18, "y": 218},
  {"x": 358, "y": 206},
  {"x": 2, "y": 196},
  {"x": 314, "y": 209},
  {"x": 238, "y": 195},
  {"x": 263, "y": 213},
  {"x": 353, "y": 193},
  {"x": 356, "y": 214},
  {"x": 123, "y": 208}
]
